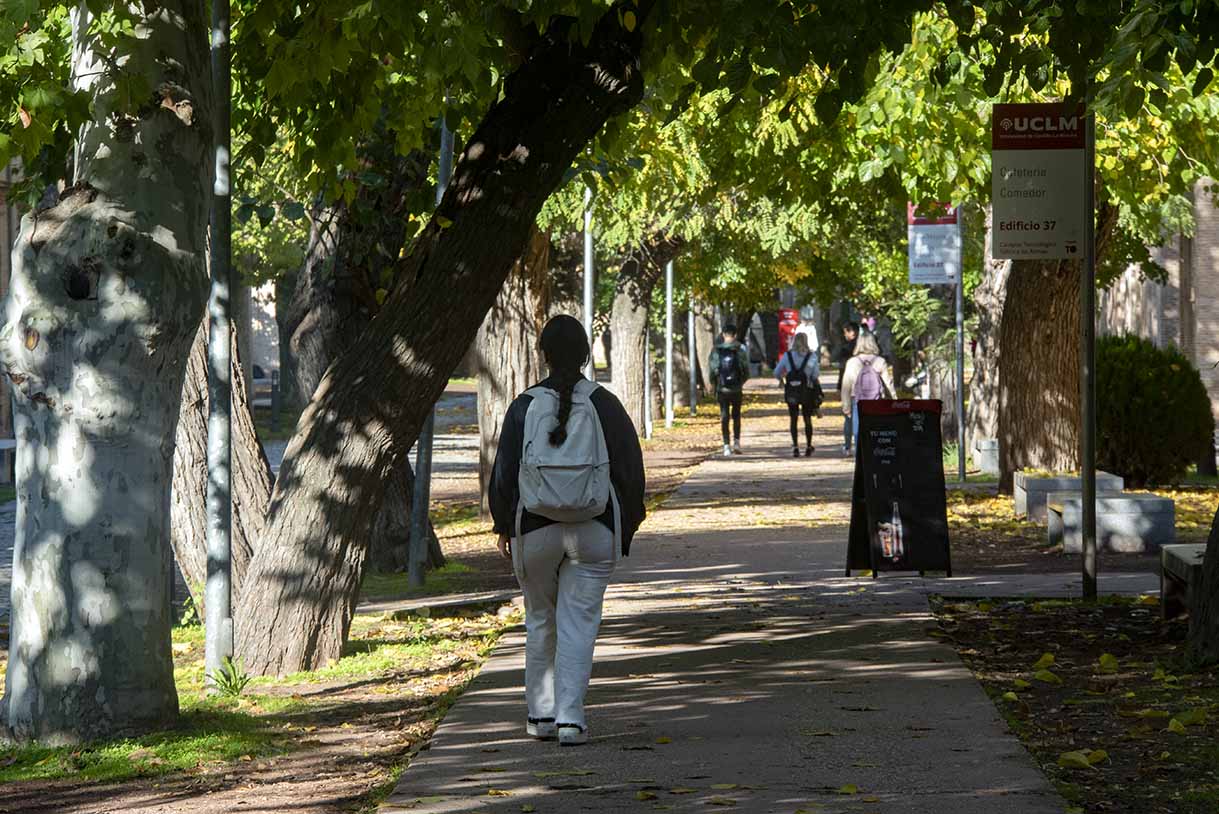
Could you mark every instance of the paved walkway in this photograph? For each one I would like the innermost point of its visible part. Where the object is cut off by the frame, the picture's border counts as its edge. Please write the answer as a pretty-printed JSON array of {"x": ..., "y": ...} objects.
[{"x": 738, "y": 667}]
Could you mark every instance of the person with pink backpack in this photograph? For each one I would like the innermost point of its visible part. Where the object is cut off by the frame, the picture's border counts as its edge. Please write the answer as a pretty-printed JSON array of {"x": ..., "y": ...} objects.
[{"x": 865, "y": 377}]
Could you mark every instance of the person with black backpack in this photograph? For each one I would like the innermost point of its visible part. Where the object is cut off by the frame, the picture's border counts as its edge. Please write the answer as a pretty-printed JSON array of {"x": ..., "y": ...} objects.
[
  {"x": 799, "y": 373},
  {"x": 567, "y": 495},
  {"x": 729, "y": 365}
]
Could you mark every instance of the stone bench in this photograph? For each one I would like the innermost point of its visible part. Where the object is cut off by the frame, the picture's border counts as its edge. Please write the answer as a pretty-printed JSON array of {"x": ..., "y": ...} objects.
[
  {"x": 1125, "y": 523},
  {"x": 1180, "y": 574},
  {"x": 1030, "y": 491}
]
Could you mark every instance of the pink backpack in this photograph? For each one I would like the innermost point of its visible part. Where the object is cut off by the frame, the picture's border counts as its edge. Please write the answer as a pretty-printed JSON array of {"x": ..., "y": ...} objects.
[{"x": 868, "y": 384}]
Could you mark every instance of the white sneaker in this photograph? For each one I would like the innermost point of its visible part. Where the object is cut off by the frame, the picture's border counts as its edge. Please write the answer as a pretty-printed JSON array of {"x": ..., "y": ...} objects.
[
  {"x": 727, "y": 451},
  {"x": 736, "y": 448},
  {"x": 541, "y": 728},
  {"x": 572, "y": 735}
]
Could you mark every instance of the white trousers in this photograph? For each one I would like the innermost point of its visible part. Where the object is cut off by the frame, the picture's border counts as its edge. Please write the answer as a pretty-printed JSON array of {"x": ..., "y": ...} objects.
[{"x": 563, "y": 570}]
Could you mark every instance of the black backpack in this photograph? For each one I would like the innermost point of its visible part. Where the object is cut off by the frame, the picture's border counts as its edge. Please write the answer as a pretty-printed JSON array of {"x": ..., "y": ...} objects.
[
  {"x": 797, "y": 389},
  {"x": 729, "y": 376}
]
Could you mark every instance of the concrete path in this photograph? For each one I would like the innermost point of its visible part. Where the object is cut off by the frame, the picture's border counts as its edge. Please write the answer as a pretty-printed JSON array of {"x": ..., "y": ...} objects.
[{"x": 738, "y": 667}]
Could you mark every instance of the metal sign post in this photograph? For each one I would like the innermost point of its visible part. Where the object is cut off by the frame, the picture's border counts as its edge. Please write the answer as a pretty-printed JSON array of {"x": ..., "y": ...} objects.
[
  {"x": 591, "y": 370},
  {"x": 647, "y": 383},
  {"x": 669, "y": 344},
  {"x": 421, "y": 500},
  {"x": 960, "y": 359},
  {"x": 1044, "y": 158},
  {"x": 1087, "y": 365},
  {"x": 693, "y": 359}
]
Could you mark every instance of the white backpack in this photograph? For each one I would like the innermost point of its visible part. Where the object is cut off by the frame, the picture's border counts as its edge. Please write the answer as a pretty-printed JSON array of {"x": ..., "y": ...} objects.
[{"x": 569, "y": 483}]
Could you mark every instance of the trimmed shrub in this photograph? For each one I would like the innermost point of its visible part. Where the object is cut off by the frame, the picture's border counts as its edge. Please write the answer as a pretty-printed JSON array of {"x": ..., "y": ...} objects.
[{"x": 1153, "y": 415}]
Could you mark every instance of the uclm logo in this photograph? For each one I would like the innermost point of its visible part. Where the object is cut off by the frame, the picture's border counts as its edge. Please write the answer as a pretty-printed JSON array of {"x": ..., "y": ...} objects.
[{"x": 1040, "y": 124}]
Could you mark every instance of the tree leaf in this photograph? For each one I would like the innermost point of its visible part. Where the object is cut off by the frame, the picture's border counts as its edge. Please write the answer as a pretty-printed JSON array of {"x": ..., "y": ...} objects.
[
  {"x": 1046, "y": 660},
  {"x": 1074, "y": 760},
  {"x": 1047, "y": 677},
  {"x": 1107, "y": 663}
]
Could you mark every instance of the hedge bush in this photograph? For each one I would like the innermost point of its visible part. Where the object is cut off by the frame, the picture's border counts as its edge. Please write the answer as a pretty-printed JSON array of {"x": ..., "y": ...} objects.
[{"x": 1153, "y": 413}]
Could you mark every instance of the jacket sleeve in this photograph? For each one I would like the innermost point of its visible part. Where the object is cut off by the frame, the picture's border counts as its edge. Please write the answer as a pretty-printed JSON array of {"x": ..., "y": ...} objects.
[
  {"x": 713, "y": 366},
  {"x": 626, "y": 461},
  {"x": 503, "y": 491},
  {"x": 781, "y": 367},
  {"x": 742, "y": 354}
]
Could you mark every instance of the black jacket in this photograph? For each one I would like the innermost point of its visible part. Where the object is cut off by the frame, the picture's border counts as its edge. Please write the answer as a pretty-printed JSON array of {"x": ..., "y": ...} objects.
[{"x": 626, "y": 468}]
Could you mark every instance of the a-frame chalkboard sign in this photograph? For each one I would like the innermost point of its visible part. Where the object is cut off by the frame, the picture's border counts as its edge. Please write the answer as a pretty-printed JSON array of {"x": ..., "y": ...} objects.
[{"x": 899, "y": 517}]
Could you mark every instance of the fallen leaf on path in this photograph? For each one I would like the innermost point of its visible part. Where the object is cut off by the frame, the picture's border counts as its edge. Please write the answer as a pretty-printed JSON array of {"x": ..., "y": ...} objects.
[
  {"x": 663, "y": 740},
  {"x": 645, "y": 795},
  {"x": 1046, "y": 660},
  {"x": 527, "y": 809},
  {"x": 849, "y": 788},
  {"x": 1107, "y": 663},
  {"x": 1176, "y": 727},
  {"x": 1074, "y": 760},
  {"x": 724, "y": 786},
  {"x": 1047, "y": 677},
  {"x": 498, "y": 793}
]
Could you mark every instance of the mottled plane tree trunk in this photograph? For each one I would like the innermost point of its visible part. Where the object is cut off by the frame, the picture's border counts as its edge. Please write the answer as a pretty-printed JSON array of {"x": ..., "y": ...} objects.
[
  {"x": 637, "y": 279},
  {"x": 107, "y": 289}
]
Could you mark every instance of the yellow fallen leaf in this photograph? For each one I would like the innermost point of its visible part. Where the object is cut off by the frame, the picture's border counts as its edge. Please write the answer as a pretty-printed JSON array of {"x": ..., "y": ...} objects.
[
  {"x": 1074, "y": 760},
  {"x": 1192, "y": 717},
  {"x": 849, "y": 788},
  {"x": 1021, "y": 684},
  {"x": 1097, "y": 756},
  {"x": 645, "y": 795},
  {"x": 871, "y": 798},
  {"x": 1010, "y": 696},
  {"x": 527, "y": 809},
  {"x": 1176, "y": 726},
  {"x": 498, "y": 793},
  {"x": 682, "y": 790},
  {"x": 1046, "y": 660},
  {"x": 724, "y": 786},
  {"x": 1149, "y": 599}
]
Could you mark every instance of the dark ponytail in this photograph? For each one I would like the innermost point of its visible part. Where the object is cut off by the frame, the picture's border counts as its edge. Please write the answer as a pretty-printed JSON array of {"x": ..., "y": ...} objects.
[{"x": 565, "y": 348}]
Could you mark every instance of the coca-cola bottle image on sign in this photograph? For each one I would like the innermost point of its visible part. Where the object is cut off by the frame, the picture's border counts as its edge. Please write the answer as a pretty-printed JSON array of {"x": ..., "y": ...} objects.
[{"x": 895, "y": 525}]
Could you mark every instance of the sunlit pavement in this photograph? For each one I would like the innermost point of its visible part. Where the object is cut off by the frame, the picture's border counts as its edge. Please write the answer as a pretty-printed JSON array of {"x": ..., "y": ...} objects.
[{"x": 737, "y": 666}]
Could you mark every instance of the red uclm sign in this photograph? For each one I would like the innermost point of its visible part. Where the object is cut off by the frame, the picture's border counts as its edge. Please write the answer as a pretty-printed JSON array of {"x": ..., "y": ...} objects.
[{"x": 1036, "y": 127}]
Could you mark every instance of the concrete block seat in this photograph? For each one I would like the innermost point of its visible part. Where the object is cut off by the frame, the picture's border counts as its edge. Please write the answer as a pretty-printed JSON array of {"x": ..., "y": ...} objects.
[
  {"x": 1125, "y": 523},
  {"x": 1180, "y": 575},
  {"x": 1030, "y": 491}
]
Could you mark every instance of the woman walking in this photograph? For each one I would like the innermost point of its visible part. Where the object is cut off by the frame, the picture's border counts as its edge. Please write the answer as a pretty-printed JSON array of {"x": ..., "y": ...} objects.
[
  {"x": 798, "y": 372},
  {"x": 566, "y": 493},
  {"x": 865, "y": 377}
]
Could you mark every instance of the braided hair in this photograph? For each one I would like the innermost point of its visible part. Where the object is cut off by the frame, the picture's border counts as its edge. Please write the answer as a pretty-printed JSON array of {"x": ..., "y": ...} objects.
[{"x": 565, "y": 348}]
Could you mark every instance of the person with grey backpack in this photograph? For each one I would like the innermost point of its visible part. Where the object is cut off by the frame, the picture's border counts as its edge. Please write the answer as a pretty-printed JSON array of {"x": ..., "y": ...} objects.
[
  {"x": 866, "y": 376},
  {"x": 567, "y": 494}
]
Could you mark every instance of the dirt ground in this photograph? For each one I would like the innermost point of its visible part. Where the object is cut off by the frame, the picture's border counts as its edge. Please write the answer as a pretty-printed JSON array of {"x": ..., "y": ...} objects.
[{"x": 1099, "y": 695}]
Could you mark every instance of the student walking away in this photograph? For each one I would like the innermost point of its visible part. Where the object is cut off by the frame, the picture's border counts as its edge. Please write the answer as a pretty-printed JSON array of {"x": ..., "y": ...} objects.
[
  {"x": 865, "y": 377},
  {"x": 850, "y": 334},
  {"x": 729, "y": 364},
  {"x": 808, "y": 327},
  {"x": 798, "y": 373},
  {"x": 566, "y": 493}
]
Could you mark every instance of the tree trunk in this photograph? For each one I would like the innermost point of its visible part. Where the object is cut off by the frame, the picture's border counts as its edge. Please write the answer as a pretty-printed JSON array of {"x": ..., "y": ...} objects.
[
  {"x": 989, "y": 298},
  {"x": 942, "y": 378},
  {"x": 251, "y": 477},
  {"x": 681, "y": 361},
  {"x": 107, "y": 289},
  {"x": 637, "y": 278},
  {"x": 628, "y": 326},
  {"x": 372, "y": 402},
  {"x": 704, "y": 340},
  {"x": 312, "y": 318},
  {"x": 1039, "y": 370},
  {"x": 1203, "y": 641},
  {"x": 509, "y": 360},
  {"x": 770, "y": 336}
]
